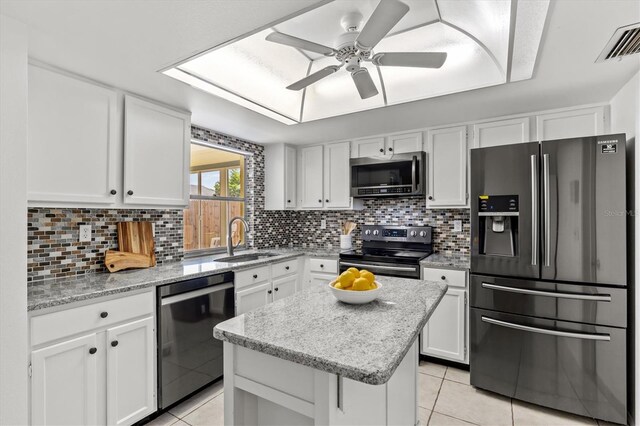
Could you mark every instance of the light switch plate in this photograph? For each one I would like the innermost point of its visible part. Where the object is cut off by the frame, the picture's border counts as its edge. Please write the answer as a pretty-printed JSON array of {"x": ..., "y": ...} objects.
[
  {"x": 85, "y": 233},
  {"x": 323, "y": 223},
  {"x": 457, "y": 226}
]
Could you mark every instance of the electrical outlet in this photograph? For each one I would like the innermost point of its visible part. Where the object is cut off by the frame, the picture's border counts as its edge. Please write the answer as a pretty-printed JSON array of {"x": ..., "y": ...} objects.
[
  {"x": 85, "y": 233},
  {"x": 457, "y": 226},
  {"x": 323, "y": 223}
]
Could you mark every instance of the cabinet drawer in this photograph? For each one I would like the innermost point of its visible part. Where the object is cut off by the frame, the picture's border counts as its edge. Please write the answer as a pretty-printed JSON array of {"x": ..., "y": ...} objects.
[
  {"x": 287, "y": 267},
  {"x": 252, "y": 276},
  {"x": 56, "y": 325},
  {"x": 323, "y": 265},
  {"x": 451, "y": 277}
]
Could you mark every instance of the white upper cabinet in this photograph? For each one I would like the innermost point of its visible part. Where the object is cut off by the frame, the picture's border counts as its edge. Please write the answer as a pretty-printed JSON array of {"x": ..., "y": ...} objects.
[
  {"x": 503, "y": 132},
  {"x": 447, "y": 151},
  {"x": 73, "y": 140},
  {"x": 337, "y": 191},
  {"x": 280, "y": 177},
  {"x": 290, "y": 156},
  {"x": 401, "y": 144},
  {"x": 371, "y": 147},
  {"x": 569, "y": 124},
  {"x": 311, "y": 176},
  {"x": 156, "y": 154}
]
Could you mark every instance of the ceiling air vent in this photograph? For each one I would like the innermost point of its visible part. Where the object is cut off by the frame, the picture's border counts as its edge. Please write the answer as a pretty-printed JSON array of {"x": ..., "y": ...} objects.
[{"x": 625, "y": 42}]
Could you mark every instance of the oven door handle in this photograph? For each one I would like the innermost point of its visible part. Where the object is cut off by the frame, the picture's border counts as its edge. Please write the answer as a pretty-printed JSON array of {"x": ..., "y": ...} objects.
[
  {"x": 192, "y": 294},
  {"x": 591, "y": 297},
  {"x": 414, "y": 178},
  {"x": 584, "y": 336},
  {"x": 385, "y": 268}
]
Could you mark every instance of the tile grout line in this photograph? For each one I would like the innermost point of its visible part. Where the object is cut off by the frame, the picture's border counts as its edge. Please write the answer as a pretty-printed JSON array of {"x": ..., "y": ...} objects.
[{"x": 437, "y": 395}]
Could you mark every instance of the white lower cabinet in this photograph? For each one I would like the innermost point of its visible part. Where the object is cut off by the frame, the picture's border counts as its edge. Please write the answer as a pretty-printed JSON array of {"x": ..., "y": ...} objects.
[
  {"x": 284, "y": 287},
  {"x": 321, "y": 271},
  {"x": 252, "y": 298},
  {"x": 446, "y": 334},
  {"x": 100, "y": 374}
]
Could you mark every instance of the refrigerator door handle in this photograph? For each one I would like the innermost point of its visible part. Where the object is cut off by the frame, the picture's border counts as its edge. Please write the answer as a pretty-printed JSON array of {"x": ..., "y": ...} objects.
[
  {"x": 584, "y": 336},
  {"x": 577, "y": 296},
  {"x": 547, "y": 210},
  {"x": 534, "y": 210}
]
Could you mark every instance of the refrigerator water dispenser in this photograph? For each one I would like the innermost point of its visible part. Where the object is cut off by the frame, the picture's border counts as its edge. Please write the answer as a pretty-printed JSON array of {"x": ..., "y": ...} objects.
[{"x": 498, "y": 219}]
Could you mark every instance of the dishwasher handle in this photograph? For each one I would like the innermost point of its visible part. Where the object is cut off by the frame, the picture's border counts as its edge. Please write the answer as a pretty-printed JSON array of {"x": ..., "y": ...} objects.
[{"x": 193, "y": 294}]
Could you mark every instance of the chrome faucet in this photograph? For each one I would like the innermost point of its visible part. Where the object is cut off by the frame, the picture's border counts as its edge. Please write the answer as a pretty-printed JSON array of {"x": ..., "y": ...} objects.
[{"x": 230, "y": 246}]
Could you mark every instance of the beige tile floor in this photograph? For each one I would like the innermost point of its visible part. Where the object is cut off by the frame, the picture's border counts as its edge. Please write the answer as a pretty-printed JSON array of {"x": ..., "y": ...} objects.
[{"x": 446, "y": 398}]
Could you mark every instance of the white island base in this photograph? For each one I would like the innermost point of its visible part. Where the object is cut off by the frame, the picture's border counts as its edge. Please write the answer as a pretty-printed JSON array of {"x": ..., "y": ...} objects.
[{"x": 260, "y": 389}]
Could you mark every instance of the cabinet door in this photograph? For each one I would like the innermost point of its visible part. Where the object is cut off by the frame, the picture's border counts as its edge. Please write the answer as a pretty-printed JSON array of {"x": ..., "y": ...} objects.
[
  {"x": 156, "y": 154},
  {"x": 311, "y": 172},
  {"x": 284, "y": 287},
  {"x": 444, "y": 334},
  {"x": 569, "y": 124},
  {"x": 130, "y": 372},
  {"x": 400, "y": 144},
  {"x": 73, "y": 140},
  {"x": 372, "y": 147},
  {"x": 254, "y": 297},
  {"x": 321, "y": 279},
  {"x": 64, "y": 387},
  {"x": 502, "y": 132},
  {"x": 447, "y": 150},
  {"x": 290, "y": 177},
  {"x": 337, "y": 187}
]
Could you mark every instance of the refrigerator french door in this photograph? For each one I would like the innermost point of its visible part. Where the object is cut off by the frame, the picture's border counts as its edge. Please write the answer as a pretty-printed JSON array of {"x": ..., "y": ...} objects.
[{"x": 549, "y": 274}]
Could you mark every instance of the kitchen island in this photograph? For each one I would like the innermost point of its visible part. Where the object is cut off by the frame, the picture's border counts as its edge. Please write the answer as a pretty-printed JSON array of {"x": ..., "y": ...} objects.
[{"x": 309, "y": 359}]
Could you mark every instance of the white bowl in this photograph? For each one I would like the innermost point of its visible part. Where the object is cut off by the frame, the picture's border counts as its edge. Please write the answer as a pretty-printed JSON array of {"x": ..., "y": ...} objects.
[{"x": 356, "y": 297}]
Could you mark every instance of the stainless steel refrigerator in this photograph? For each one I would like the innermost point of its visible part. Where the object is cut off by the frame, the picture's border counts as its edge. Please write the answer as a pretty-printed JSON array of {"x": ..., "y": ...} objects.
[{"x": 548, "y": 313}]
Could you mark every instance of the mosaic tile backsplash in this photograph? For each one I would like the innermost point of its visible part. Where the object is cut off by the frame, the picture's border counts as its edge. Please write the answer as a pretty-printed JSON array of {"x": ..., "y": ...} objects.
[{"x": 53, "y": 250}]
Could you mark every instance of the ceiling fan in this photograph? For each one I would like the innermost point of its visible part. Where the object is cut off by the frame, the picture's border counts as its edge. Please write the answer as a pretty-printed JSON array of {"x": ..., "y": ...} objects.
[{"x": 355, "y": 46}]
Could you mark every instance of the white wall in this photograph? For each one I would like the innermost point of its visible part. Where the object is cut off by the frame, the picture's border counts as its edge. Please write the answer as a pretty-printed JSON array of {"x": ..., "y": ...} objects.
[
  {"x": 13, "y": 222},
  {"x": 625, "y": 117}
]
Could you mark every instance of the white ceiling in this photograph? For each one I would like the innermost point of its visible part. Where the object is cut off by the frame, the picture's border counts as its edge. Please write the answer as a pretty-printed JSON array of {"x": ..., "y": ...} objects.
[{"x": 124, "y": 43}]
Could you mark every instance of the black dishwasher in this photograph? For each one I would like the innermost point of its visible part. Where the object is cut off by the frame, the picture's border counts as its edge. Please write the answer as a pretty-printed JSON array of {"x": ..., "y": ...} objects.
[{"x": 189, "y": 357}]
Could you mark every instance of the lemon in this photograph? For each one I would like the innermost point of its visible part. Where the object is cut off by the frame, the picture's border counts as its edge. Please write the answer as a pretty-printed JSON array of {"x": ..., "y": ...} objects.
[
  {"x": 355, "y": 272},
  {"x": 361, "y": 284},
  {"x": 368, "y": 275},
  {"x": 336, "y": 284},
  {"x": 346, "y": 279}
]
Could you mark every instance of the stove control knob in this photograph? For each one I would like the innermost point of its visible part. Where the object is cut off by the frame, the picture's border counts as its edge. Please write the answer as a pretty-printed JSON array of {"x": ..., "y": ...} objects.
[
  {"x": 376, "y": 232},
  {"x": 423, "y": 234},
  {"x": 414, "y": 233},
  {"x": 367, "y": 232}
]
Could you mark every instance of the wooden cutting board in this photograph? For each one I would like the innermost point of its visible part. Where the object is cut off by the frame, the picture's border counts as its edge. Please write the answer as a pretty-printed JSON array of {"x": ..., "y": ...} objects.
[
  {"x": 118, "y": 260},
  {"x": 136, "y": 247}
]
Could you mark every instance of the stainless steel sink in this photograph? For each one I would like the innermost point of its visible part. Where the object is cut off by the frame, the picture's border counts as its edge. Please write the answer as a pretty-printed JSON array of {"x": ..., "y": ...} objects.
[{"x": 248, "y": 257}]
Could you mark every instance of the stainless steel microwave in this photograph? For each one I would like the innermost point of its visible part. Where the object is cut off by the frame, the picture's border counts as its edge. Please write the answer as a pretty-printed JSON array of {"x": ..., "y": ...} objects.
[{"x": 401, "y": 175}]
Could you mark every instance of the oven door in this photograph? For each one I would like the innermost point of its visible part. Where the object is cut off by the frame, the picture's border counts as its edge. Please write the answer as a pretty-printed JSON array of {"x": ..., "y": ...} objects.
[
  {"x": 379, "y": 268},
  {"x": 400, "y": 175}
]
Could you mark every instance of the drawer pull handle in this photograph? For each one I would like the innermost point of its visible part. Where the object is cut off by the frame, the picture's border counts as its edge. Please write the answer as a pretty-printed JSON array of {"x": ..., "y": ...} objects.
[
  {"x": 443, "y": 278},
  {"x": 585, "y": 336},
  {"x": 114, "y": 343},
  {"x": 104, "y": 314},
  {"x": 255, "y": 276},
  {"x": 286, "y": 267},
  {"x": 93, "y": 351},
  {"x": 322, "y": 266},
  {"x": 269, "y": 292},
  {"x": 593, "y": 297}
]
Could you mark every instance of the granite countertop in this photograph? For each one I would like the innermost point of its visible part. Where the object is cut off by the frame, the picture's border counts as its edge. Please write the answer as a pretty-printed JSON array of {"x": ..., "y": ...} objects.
[
  {"x": 361, "y": 342},
  {"x": 50, "y": 293},
  {"x": 447, "y": 260}
]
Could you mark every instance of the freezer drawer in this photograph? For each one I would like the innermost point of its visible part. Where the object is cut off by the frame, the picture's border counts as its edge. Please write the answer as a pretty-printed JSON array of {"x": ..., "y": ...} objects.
[
  {"x": 567, "y": 302},
  {"x": 573, "y": 367}
]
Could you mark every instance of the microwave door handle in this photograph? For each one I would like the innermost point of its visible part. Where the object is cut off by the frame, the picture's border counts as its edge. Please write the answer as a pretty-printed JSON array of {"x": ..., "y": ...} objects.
[{"x": 414, "y": 168}]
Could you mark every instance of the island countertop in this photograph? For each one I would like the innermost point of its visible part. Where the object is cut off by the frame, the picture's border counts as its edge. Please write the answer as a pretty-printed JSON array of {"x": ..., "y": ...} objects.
[{"x": 360, "y": 342}]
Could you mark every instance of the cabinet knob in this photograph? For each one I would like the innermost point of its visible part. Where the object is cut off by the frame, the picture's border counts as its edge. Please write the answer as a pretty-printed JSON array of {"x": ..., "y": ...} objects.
[
  {"x": 114, "y": 192},
  {"x": 381, "y": 150},
  {"x": 390, "y": 149},
  {"x": 104, "y": 314},
  {"x": 269, "y": 292},
  {"x": 255, "y": 276},
  {"x": 286, "y": 267},
  {"x": 129, "y": 192},
  {"x": 93, "y": 351},
  {"x": 114, "y": 343},
  {"x": 276, "y": 289},
  {"x": 322, "y": 266},
  {"x": 443, "y": 278},
  {"x": 319, "y": 201},
  {"x": 430, "y": 197},
  {"x": 326, "y": 201},
  {"x": 288, "y": 201}
]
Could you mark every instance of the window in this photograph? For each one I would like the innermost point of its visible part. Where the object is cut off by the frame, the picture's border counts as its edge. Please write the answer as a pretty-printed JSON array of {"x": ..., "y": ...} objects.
[{"x": 217, "y": 195}]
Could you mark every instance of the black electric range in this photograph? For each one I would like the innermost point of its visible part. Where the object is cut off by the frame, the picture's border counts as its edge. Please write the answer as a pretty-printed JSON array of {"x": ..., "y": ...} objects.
[{"x": 390, "y": 250}]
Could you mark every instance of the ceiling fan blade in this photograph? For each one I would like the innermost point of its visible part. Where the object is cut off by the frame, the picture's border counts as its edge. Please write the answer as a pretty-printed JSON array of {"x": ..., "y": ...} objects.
[
  {"x": 364, "y": 83},
  {"x": 386, "y": 15},
  {"x": 410, "y": 59},
  {"x": 300, "y": 43},
  {"x": 312, "y": 78}
]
